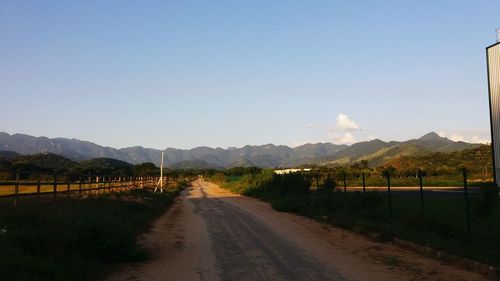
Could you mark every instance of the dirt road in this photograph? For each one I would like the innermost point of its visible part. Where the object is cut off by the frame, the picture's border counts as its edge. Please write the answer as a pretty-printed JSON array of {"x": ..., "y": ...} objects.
[{"x": 212, "y": 234}]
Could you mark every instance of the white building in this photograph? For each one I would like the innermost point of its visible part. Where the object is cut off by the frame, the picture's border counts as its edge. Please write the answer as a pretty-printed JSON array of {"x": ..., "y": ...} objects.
[
  {"x": 493, "y": 59},
  {"x": 288, "y": 171}
]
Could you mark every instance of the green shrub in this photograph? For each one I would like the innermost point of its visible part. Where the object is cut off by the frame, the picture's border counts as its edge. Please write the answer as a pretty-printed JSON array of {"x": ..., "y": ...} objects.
[
  {"x": 485, "y": 202},
  {"x": 293, "y": 183},
  {"x": 291, "y": 203}
]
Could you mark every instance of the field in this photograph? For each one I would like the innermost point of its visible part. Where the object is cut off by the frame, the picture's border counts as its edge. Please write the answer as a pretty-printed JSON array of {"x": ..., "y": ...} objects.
[{"x": 75, "y": 239}]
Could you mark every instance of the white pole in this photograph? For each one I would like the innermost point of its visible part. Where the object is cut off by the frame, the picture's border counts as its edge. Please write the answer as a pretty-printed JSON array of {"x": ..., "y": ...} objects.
[
  {"x": 160, "y": 181},
  {"x": 161, "y": 171}
]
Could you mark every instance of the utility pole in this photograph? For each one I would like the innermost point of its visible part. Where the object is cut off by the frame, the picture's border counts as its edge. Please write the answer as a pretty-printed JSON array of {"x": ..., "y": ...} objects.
[{"x": 160, "y": 181}]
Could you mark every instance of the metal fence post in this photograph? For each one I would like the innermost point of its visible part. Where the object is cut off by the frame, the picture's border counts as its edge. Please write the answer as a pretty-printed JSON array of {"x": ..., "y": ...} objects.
[
  {"x": 466, "y": 196},
  {"x": 345, "y": 185},
  {"x": 16, "y": 190},
  {"x": 421, "y": 190},
  {"x": 364, "y": 184},
  {"x": 389, "y": 193}
]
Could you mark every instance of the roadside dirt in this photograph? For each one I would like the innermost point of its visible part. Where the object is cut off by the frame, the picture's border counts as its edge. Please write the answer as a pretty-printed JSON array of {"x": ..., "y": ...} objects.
[{"x": 213, "y": 234}]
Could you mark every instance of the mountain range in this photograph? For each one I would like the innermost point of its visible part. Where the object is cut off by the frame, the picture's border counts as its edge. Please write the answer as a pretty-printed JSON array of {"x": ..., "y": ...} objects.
[{"x": 376, "y": 152}]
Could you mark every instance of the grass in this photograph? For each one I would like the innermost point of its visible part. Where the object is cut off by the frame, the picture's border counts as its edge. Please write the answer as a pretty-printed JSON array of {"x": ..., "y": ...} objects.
[
  {"x": 75, "y": 239},
  {"x": 413, "y": 182},
  {"x": 442, "y": 225}
]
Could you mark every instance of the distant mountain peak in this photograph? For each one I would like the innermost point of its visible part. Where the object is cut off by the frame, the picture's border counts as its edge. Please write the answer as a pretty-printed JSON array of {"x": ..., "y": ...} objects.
[
  {"x": 431, "y": 136},
  {"x": 376, "y": 141}
]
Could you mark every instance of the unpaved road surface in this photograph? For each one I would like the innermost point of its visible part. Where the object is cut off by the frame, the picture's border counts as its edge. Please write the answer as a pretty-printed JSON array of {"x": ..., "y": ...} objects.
[{"x": 213, "y": 234}]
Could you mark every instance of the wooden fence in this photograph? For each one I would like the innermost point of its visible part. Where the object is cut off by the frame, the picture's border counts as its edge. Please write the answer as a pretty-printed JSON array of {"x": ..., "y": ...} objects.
[{"x": 96, "y": 185}]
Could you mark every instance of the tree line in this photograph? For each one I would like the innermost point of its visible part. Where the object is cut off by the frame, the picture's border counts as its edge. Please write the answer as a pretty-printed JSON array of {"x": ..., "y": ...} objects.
[{"x": 45, "y": 166}]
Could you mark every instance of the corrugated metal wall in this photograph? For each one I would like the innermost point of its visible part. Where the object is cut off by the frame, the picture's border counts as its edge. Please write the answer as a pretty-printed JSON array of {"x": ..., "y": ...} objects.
[{"x": 493, "y": 54}]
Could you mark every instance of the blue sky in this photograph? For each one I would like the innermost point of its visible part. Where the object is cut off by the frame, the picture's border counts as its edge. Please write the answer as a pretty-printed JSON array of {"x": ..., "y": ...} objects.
[{"x": 230, "y": 73}]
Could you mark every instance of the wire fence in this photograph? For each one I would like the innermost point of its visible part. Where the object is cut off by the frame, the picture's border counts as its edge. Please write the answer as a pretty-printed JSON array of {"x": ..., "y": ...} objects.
[{"x": 456, "y": 200}]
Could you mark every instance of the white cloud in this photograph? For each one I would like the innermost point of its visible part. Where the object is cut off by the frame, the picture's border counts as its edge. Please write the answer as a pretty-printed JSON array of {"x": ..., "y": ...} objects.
[
  {"x": 457, "y": 137},
  {"x": 470, "y": 136},
  {"x": 312, "y": 125},
  {"x": 344, "y": 123},
  {"x": 477, "y": 139},
  {"x": 346, "y": 138}
]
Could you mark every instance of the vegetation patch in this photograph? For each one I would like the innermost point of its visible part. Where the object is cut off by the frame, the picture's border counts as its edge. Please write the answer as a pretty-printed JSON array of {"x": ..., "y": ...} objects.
[
  {"x": 75, "y": 239},
  {"x": 442, "y": 225}
]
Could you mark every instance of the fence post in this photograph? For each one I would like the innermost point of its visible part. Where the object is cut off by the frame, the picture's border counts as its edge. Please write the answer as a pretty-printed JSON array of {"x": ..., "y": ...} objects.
[
  {"x": 466, "y": 195},
  {"x": 54, "y": 190},
  {"x": 68, "y": 187},
  {"x": 421, "y": 190},
  {"x": 98, "y": 185},
  {"x": 16, "y": 190},
  {"x": 364, "y": 184},
  {"x": 38, "y": 187},
  {"x": 90, "y": 183},
  {"x": 345, "y": 185},
  {"x": 389, "y": 193},
  {"x": 80, "y": 186}
]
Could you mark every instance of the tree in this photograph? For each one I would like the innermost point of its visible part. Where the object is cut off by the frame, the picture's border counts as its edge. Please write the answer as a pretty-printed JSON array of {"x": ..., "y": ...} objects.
[
  {"x": 388, "y": 171},
  {"x": 146, "y": 169}
]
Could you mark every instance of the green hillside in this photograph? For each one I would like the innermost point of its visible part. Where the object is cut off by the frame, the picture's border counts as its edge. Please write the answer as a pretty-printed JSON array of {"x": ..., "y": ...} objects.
[
  {"x": 378, "y": 152},
  {"x": 478, "y": 162}
]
